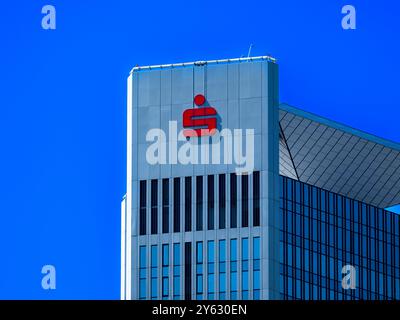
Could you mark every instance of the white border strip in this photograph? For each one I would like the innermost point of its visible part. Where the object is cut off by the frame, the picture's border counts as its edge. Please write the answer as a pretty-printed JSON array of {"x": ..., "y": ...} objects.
[
  {"x": 123, "y": 248},
  {"x": 128, "y": 271}
]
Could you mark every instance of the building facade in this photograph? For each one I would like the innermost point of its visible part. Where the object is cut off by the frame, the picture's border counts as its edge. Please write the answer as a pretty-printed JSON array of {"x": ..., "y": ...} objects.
[
  {"x": 233, "y": 196},
  {"x": 322, "y": 232}
]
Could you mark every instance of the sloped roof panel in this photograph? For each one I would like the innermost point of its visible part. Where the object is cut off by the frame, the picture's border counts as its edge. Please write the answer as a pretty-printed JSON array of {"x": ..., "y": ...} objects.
[{"x": 338, "y": 158}]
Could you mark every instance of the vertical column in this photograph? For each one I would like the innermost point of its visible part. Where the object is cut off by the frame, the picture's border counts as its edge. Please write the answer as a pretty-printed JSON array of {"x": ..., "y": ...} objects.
[
  {"x": 129, "y": 182},
  {"x": 269, "y": 180},
  {"x": 123, "y": 248}
]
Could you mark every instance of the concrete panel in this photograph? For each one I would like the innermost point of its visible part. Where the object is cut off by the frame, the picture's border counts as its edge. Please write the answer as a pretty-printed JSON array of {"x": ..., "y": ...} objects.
[
  {"x": 250, "y": 80},
  {"x": 149, "y": 89},
  {"x": 182, "y": 86},
  {"x": 216, "y": 82},
  {"x": 250, "y": 111}
]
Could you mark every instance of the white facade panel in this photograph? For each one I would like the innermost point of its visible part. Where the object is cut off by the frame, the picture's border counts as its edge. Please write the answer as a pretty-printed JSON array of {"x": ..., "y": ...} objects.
[{"x": 244, "y": 95}]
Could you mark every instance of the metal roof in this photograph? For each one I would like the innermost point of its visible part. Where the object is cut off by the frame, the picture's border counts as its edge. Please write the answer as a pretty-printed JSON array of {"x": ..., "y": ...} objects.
[
  {"x": 201, "y": 63},
  {"x": 338, "y": 158}
]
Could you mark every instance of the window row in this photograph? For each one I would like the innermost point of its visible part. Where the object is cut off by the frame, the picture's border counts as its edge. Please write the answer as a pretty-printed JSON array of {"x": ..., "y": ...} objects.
[
  {"x": 324, "y": 264},
  {"x": 301, "y": 222},
  {"x": 214, "y": 201},
  {"x": 352, "y": 246},
  {"x": 300, "y": 197},
  {"x": 202, "y": 276},
  {"x": 300, "y": 289}
]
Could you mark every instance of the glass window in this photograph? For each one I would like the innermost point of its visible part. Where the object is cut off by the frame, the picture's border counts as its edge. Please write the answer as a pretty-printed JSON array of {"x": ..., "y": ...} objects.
[
  {"x": 142, "y": 272},
  {"x": 165, "y": 271},
  {"x": 177, "y": 271},
  {"x": 210, "y": 205},
  {"x": 199, "y": 203},
  {"x": 234, "y": 268},
  {"x": 154, "y": 206},
  {"x": 188, "y": 203},
  {"x": 245, "y": 200},
  {"x": 380, "y": 219},
  {"x": 222, "y": 269},
  {"x": 323, "y": 200},
  {"x": 233, "y": 201},
  {"x": 199, "y": 270},
  {"x": 288, "y": 189},
  {"x": 142, "y": 208},
  {"x": 199, "y": 252},
  {"x": 306, "y": 195},
  {"x": 210, "y": 270},
  {"x": 245, "y": 268},
  {"x": 256, "y": 268},
  {"x": 298, "y": 257},
  {"x": 331, "y": 202},
  {"x": 342, "y": 231},
  {"x": 256, "y": 198},
  {"x": 188, "y": 270},
  {"x": 154, "y": 270},
  {"x": 165, "y": 259},
  {"x": 222, "y": 200},
  {"x": 199, "y": 286},
  {"x": 165, "y": 205},
  {"x": 177, "y": 204}
]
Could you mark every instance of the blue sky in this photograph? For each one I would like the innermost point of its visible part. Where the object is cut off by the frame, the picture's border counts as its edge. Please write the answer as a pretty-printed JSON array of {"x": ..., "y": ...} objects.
[{"x": 63, "y": 98}]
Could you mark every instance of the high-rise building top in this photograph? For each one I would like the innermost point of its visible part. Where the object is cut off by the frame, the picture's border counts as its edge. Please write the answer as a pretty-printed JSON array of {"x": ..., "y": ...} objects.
[
  {"x": 201, "y": 63},
  {"x": 231, "y": 195}
]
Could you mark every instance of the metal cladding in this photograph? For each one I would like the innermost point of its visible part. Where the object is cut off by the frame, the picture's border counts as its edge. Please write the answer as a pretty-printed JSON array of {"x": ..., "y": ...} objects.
[{"x": 338, "y": 158}]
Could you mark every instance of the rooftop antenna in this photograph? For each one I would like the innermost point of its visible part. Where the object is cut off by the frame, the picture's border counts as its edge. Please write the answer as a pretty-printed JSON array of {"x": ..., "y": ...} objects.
[{"x": 249, "y": 52}]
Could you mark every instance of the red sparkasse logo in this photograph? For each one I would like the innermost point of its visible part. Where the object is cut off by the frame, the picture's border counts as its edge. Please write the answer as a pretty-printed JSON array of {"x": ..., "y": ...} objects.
[{"x": 202, "y": 121}]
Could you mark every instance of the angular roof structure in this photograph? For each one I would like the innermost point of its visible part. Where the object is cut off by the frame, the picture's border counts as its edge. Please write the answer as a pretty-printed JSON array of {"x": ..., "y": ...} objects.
[{"x": 338, "y": 158}]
